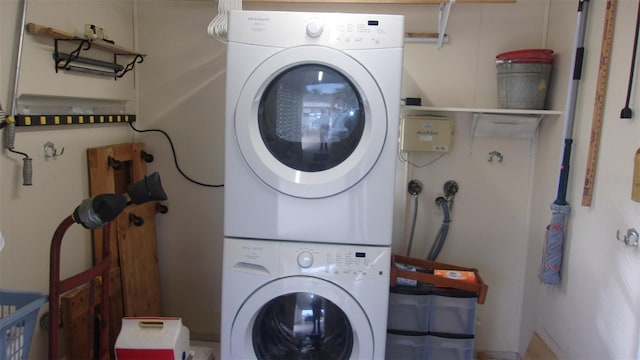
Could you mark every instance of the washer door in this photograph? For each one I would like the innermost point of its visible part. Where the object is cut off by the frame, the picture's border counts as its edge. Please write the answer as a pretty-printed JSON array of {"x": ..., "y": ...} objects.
[
  {"x": 310, "y": 121},
  {"x": 301, "y": 317}
]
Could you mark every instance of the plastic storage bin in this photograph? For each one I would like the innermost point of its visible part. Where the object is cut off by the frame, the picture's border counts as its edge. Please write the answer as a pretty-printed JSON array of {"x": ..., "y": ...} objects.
[
  {"x": 407, "y": 345},
  {"x": 409, "y": 308},
  {"x": 18, "y": 314},
  {"x": 429, "y": 309},
  {"x": 453, "y": 312},
  {"x": 447, "y": 346},
  {"x": 402, "y": 345}
]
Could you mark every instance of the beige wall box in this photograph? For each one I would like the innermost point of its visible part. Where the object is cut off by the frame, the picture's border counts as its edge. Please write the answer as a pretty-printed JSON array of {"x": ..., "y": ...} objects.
[{"x": 426, "y": 133}]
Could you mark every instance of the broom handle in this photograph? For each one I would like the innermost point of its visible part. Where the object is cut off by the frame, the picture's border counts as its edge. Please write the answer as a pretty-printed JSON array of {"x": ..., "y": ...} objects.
[{"x": 572, "y": 95}]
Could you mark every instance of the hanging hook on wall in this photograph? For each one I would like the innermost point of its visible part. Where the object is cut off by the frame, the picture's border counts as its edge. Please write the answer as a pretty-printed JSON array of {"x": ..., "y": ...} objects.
[
  {"x": 631, "y": 239},
  {"x": 495, "y": 154},
  {"x": 50, "y": 150}
]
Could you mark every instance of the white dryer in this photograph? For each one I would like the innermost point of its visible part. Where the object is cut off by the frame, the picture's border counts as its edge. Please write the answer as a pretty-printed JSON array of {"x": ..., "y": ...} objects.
[
  {"x": 290, "y": 300},
  {"x": 312, "y": 125}
]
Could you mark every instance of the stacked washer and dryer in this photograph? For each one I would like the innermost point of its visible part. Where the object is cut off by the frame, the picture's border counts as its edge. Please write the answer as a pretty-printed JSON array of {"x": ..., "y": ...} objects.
[{"x": 311, "y": 138}]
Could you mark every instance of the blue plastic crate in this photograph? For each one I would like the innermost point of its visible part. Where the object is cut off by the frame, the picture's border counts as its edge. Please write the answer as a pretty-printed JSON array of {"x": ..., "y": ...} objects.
[{"x": 18, "y": 314}]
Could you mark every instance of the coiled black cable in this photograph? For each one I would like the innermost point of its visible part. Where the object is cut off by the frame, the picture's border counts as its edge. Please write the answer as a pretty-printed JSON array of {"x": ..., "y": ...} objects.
[{"x": 175, "y": 158}]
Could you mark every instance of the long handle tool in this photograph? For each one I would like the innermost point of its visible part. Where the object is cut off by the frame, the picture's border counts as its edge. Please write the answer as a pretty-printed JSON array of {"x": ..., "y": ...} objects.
[
  {"x": 598, "y": 111},
  {"x": 554, "y": 242},
  {"x": 626, "y": 112}
]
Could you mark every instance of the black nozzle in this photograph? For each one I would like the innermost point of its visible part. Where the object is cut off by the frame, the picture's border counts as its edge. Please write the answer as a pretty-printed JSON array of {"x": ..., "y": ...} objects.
[
  {"x": 97, "y": 211},
  {"x": 147, "y": 189}
]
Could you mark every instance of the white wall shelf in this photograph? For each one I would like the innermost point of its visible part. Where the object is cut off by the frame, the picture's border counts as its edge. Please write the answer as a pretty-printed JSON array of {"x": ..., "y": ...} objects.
[{"x": 497, "y": 123}]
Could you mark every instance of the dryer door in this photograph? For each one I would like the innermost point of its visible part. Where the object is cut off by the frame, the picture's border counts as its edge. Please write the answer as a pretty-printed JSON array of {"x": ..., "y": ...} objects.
[
  {"x": 310, "y": 121},
  {"x": 301, "y": 317}
]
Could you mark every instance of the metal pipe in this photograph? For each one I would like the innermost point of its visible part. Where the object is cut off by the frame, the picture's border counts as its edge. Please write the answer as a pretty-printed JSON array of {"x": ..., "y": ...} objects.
[{"x": 16, "y": 78}]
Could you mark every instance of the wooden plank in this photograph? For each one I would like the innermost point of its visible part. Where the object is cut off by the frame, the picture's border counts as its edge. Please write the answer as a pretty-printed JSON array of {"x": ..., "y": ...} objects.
[
  {"x": 139, "y": 261},
  {"x": 104, "y": 179},
  {"x": 538, "y": 349},
  {"x": 54, "y": 33},
  {"x": 99, "y": 170},
  {"x": 74, "y": 307},
  {"x": 133, "y": 249}
]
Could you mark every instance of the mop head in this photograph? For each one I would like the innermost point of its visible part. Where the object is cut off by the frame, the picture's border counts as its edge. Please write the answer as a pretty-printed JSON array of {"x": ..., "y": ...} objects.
[{"x": 551, "y": 263}]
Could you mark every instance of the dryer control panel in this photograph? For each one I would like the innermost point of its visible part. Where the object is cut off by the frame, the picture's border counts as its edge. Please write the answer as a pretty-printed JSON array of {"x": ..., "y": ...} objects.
[{"x": 337, "y": 30}]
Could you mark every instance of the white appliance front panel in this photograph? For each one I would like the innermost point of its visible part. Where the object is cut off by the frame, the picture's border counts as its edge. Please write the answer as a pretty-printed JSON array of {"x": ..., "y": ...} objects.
[
  {"x": 363, "y": 213},
  {"x": 356, "y": 278}
]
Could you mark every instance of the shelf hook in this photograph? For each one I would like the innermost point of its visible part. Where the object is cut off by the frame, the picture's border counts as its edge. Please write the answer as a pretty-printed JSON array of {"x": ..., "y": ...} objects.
[
  {"x": 50, "y": 150},
  {"x": 497, "y": 155}
]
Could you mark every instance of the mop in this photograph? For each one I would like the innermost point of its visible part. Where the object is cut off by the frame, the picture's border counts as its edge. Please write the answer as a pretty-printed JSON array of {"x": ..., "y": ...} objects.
[{"x": 551, "y": 263}]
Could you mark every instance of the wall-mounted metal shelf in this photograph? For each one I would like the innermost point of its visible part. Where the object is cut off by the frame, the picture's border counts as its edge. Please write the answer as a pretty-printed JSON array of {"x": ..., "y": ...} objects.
[
  {"x": 497, "y": 123},
  {"x": 69, "y": 61}
]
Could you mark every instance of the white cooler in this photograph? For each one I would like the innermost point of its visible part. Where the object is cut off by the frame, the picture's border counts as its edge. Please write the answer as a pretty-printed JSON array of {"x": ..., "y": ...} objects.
[{"x": 157, "y": 338}]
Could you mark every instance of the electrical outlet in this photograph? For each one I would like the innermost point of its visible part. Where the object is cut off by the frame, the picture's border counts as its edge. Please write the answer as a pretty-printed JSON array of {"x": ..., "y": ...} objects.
[{"x": 94, "y": 32}]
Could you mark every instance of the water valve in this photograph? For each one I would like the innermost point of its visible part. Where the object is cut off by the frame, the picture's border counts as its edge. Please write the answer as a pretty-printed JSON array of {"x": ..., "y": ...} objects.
[{"x": 415, "y": 187}]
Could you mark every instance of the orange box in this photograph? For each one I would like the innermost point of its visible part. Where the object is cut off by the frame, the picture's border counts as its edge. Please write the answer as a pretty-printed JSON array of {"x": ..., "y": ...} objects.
[{"x": 467, "y": 276}]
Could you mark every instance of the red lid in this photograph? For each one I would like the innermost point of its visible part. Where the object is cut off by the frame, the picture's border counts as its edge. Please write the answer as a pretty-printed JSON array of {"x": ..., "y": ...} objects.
[{"x": 544, "y": 56}]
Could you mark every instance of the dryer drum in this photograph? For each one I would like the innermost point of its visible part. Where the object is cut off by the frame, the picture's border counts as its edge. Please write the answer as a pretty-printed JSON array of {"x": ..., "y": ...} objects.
[{"x": 302, "y": 326}]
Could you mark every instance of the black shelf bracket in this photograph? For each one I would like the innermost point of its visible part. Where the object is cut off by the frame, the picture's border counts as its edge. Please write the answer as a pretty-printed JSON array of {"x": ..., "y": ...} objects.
[
  {"x": 68, "y": 61},
  {"x": 137, "y": 60},
  {"x": 72, "y": 56}
]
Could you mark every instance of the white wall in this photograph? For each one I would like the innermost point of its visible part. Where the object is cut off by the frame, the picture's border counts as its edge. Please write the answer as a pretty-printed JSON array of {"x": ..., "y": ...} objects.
[
  {"x": 31, "y": 214},
  {"x": 500, "y": 212},
  {"x": 595, "y": 312},
  {"x": 182, "y": 93}
]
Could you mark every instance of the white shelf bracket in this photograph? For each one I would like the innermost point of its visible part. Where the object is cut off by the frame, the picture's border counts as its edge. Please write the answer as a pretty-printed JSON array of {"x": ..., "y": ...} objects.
[{"x": 443, "y": 18}]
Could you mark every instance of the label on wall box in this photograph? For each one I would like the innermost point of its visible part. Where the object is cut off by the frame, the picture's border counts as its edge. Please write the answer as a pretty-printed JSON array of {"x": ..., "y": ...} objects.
[{"x": 426, "y": 133}]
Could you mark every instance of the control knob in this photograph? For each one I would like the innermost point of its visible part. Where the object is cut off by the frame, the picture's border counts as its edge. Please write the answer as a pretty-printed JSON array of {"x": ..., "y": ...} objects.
[
  {"x": 305, "y": 259},
  {"x": 315, "y": 27}
]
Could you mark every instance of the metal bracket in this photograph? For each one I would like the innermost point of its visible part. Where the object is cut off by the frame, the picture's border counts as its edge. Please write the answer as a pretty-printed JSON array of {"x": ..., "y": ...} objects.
[
  {"x": 443, "y": 19},
  {"x": 441, "y": 37}
]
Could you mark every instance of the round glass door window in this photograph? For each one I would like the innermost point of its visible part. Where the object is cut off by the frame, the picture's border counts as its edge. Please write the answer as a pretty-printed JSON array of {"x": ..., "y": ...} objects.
[
  {"x": 302, "y": 325},
  {"x": 311, "y": 118},
  {"x": 310, "y": 121}
]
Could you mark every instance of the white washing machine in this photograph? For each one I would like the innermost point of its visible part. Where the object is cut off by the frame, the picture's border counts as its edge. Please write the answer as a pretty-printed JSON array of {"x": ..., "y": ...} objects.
[
  {"x": 290, "y": 300},
  {"x": 312, "y": 125}
]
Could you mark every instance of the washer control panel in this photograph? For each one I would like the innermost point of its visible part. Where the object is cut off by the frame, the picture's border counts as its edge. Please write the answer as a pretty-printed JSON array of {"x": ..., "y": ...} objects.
[
  {"x": 288, "y": 258},
  {"x": 334, "y": 261}
]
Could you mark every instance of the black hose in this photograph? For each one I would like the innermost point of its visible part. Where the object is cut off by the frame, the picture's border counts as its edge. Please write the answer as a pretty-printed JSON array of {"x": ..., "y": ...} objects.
[{"x": 441, "y": 237}]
